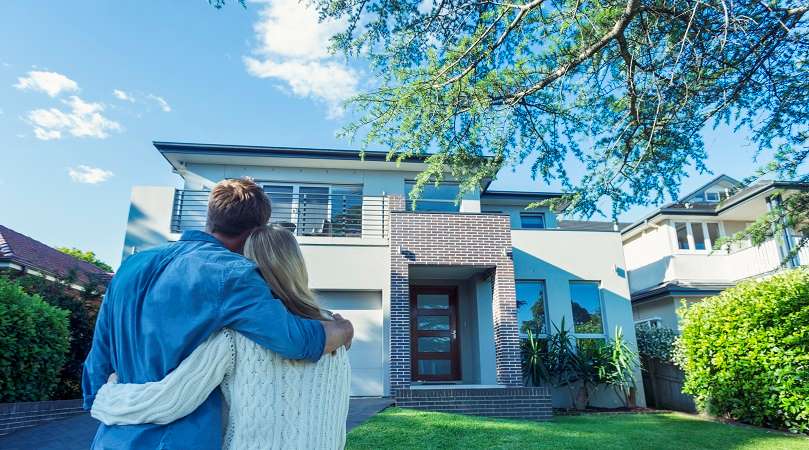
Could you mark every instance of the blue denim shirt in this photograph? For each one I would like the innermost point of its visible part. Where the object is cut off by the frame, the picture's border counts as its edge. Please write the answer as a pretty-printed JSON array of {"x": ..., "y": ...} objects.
[{"x": 161, "y": 305}]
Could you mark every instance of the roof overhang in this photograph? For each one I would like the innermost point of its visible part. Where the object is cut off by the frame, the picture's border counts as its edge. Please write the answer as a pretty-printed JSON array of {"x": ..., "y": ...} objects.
[
  {"x": 179, "y": 155},
  {"x": 678, "y": 290}
]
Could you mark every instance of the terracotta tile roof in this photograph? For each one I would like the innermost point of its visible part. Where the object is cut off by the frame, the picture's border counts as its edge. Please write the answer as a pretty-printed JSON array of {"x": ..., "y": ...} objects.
[{"x": 24, "y": 251}]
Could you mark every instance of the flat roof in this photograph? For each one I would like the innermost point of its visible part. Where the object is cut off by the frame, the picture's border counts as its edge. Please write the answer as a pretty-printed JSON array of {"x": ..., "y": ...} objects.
[{"x": 276, "y": 151}]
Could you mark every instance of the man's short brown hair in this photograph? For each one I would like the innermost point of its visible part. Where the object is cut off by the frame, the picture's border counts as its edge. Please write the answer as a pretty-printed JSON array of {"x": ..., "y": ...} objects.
[{"x": 236, "y": 206}]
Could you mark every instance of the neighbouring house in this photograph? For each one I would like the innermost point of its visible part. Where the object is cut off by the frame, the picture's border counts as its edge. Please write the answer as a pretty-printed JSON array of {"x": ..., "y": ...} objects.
[
  {"x": 440, "y": 292},
  {"x": 669, "y": 253},
  {"x": 20, "y": 254}
]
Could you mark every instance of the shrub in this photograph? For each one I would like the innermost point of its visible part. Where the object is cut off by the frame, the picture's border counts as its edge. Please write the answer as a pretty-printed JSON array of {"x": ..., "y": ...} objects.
[
  {"x": 82, "y": 308},
  {"x": 657, "y": 343},
  {"x": 556, "y": 361},
  {"x": 33, "y": 344},
  {"x": 746, "y": 352}
]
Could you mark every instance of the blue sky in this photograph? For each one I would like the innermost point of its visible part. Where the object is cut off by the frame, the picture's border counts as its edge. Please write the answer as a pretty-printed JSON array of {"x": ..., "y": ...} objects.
[{"x": 71, "y": 147}]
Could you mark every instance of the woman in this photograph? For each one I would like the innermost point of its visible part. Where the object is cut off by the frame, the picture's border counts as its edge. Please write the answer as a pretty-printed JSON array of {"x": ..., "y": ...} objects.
[{"x": 270, "y": 402}]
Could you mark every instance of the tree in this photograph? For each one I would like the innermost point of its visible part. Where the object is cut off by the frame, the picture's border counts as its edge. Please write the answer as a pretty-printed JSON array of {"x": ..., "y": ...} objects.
[
  {"x": 622, "y": 87},
  {"x": 87, "y": 256}
]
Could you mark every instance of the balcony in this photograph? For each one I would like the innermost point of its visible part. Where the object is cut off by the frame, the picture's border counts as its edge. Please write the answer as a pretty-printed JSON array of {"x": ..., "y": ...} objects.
[
  {"x": 305, "y": 214},
  {"x": 719, "y": 266}
]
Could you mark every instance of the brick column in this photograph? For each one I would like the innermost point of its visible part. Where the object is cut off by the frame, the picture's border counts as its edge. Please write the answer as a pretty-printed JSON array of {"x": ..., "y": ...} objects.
[
  {"x": 399, "y": 304},
  {"x": 506, "y": 333}
]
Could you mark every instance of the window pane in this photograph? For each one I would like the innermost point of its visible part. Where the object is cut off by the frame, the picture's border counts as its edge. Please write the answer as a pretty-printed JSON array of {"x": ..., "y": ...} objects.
[
  {"x": 433, "y": 323},
  {"x": 346, "y": 210},
  {"x": 436, "y": 199},
  {"x": 281, "y": 198},
  {"x": 434, "y": 367},
  {"x": 586, "y": 302},
  {"x": 432, "y": 301},
  {"x": 531, "y": 313},
  {"x": 532, "y": 220},
  {"x": 712, "y": 196},
  {"x": 713, "y": 233},
  {"x": 434, "y": 344},
  {"x": 682, "y": 235},
  {"x": 699, "y": 235},
  {"x": 313, "y": 208}
]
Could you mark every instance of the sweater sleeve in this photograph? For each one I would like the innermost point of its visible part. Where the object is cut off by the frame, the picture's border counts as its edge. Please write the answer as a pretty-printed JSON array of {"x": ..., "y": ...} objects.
[{"x": 178, "y": 394}]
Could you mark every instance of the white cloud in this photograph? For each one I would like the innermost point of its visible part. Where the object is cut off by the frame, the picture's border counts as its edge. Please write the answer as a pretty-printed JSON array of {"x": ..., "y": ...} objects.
[
  {"x": 84, "y": 119},
  {"x": 164, "y": 105},
  {"x": 293, "y": 48},
  {"x": 123, "y": 95},
  {"x": 89, "y": 175},
  {"x": 51, "y": 83}
]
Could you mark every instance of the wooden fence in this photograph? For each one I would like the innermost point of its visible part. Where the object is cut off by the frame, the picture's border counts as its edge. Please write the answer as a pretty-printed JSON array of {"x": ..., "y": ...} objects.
[{"x": 663, "y": 383}]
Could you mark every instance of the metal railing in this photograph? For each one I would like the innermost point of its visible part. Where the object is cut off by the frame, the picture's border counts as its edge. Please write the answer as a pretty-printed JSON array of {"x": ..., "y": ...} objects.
[{"x": 311, "y": 214}]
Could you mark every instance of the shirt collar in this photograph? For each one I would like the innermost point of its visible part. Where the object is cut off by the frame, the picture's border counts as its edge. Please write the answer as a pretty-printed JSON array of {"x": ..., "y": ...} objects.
[{"x": 197, "y": 235}]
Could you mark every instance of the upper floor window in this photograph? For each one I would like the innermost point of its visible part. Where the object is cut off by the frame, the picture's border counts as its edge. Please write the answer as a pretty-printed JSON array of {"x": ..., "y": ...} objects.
[
  {"x": 436, "y": 199},
  {"x": 532, "y": 220},
  {"x": 696, "y": 235},
  {"x": 585, "y": 300},
  {"x": 531, "y": 307},
  {"x": 317, "y": 210},
  {"x": 712, "y": 197}
]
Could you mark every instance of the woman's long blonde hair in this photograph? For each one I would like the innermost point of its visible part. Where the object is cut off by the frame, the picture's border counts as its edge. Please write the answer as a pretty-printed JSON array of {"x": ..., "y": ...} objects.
[{"x": 278, "y": 256}]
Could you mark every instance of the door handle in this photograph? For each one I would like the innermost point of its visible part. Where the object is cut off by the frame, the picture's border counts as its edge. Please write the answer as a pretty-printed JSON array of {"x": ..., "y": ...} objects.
[{"x": 454, "y": 334}]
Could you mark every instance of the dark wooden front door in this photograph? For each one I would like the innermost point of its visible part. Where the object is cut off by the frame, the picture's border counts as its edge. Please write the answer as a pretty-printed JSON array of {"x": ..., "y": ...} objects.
[{"x": 434, "y": 333}]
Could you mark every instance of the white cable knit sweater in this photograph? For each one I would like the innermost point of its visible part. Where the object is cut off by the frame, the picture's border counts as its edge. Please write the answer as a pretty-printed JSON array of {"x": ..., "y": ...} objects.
[{"x": 272, "y": 402}]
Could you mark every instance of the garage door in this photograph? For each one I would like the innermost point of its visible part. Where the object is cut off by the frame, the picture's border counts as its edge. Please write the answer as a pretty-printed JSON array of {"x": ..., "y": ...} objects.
[{"x": 364, "y": 310}]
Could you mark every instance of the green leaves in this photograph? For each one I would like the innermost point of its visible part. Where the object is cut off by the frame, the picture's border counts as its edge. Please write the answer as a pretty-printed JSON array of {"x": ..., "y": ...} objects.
[
  {"x": 33, "y": 344},
  {"x": 745, "y": 353},
  {"x": 616, "y": 90},
  {"x": 655, "y": 342}
]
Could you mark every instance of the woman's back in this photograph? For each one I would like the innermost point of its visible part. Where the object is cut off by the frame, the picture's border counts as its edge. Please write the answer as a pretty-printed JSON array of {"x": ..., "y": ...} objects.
[
  {"x": 270, "y": 402},
  {"x": 276, "y": 403}
]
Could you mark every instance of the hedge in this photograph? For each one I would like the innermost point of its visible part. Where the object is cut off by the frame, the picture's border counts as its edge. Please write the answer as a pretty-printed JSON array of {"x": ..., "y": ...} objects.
[
  {"x": 745, "y": 352},
  {"x": 33, "y": 344}
]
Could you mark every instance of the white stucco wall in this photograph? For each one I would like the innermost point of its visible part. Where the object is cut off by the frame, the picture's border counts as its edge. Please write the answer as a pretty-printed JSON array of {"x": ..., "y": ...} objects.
[
  {"x": 664, "y": 309},
  {"x": 559, "y": 257},
  {"x": 149, "y": 221}
]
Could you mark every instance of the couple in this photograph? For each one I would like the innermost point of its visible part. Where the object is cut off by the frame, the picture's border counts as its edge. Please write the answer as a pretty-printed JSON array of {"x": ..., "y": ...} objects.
[{"x": 184, "y": 325}]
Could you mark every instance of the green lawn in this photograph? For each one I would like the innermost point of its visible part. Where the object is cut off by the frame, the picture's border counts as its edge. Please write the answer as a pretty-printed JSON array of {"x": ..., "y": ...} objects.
[{"x": 409, "y": 429}]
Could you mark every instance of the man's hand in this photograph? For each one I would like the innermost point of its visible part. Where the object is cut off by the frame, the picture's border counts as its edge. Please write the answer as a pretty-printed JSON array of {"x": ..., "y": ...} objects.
[{"x": 339, "y": 332}]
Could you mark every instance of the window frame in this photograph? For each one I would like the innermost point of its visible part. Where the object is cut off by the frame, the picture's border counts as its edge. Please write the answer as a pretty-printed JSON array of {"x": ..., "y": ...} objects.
[
  {"x": 544, "y": 284},
  {"x": 409, "y": 202},
  {"x": 296, "y": 186},
  {"x": 604, "y": 327},
  {"x": 689, "y": 224},
  {"x": 533, "y": 214}
]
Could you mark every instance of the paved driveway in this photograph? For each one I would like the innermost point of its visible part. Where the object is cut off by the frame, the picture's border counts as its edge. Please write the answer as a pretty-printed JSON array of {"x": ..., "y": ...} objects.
[{"x": 76, "y": 433}]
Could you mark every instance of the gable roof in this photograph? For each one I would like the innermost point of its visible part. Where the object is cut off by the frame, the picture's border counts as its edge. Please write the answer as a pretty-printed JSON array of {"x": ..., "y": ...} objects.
[
  {"x": 27, "y": 252},
  {"x": 715, "y": 180}
]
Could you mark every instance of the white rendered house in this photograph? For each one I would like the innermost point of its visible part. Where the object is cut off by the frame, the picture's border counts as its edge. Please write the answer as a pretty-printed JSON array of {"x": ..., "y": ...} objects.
[
  {"x": 439, "y": 293},
  {"x": 670, "y": 256}
]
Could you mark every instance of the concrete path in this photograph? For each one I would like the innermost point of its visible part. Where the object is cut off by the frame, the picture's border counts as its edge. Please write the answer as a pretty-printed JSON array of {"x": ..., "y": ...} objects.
[{"x": 76, "y": 433}]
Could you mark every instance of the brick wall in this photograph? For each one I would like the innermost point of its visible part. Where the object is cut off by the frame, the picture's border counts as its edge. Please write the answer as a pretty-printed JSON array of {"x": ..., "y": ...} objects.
[
  {"x": 476, "y": 240},
  {"x": 512, "y": 403}
]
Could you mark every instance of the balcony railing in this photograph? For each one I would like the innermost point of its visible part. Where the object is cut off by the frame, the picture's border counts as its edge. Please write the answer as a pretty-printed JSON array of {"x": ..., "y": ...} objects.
[{"x": 312, "y": 214}]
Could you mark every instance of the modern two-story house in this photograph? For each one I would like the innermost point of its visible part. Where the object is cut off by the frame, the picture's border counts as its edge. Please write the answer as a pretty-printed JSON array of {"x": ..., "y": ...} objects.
[
  {"x": 670, "y": 252},
  {"x": 440, "y": 292}
]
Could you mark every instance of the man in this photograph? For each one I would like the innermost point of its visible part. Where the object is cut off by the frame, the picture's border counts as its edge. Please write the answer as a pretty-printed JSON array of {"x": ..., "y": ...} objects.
[{"x": 164, "y": 302}]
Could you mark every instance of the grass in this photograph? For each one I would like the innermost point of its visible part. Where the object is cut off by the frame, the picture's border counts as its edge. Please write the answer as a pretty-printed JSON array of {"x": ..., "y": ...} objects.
[{"x": 409, "y": 429}]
